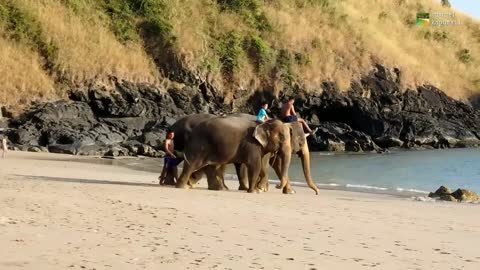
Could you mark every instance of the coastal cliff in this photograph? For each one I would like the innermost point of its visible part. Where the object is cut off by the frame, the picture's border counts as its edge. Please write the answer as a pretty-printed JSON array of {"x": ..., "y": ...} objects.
[
  {"x": 110, "y": 76},
  {"x": 132, "y": 118}
]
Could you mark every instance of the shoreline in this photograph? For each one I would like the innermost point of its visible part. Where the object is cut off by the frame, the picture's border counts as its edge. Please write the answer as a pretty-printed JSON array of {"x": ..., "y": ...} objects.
[{"x": 148, "y": 164}]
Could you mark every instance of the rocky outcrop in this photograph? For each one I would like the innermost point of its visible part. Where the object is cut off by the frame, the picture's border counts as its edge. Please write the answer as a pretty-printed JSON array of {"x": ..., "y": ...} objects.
[
  {"x": 131, "y": 119},
  {"x": 377, "y": 107},
  {"x": 460, "y": 195}
]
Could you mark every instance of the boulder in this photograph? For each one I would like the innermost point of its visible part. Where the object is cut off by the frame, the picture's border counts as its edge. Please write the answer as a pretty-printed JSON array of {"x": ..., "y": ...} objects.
[
  {"x": 116, "y": 151},
  {"x": 154, "y": 139},
  {"x": 441, "y": 191},
  {"x": 448, "y": 198},
  {"x": 465, "y": 195},
  {"x": 340, "y": 137}
]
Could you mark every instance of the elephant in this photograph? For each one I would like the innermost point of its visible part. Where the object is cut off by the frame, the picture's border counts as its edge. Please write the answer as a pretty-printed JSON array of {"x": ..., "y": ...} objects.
[
  {"x": 185, "y": 125},
  {"x": 223, "y": 140}
]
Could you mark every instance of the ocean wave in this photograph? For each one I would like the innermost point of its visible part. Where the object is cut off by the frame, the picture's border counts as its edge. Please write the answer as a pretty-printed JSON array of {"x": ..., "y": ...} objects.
[
  {"x": 365, "y": 187},
  {"x": 411, "y": 190}
]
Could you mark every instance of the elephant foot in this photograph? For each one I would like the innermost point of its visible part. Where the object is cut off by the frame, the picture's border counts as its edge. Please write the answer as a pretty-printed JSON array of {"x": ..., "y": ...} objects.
[
  {"x": 261, "y": 190},
  {"x": 288, "y": 190},
  {"x": 219, "y": 187},
  {"x": 253, "y": 190},
  {"x": 183, "y": 186},
  {"x": 242, "y": 188}
]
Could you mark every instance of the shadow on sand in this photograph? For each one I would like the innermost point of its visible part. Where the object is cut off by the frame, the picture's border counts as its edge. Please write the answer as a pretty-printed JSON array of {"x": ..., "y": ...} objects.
[{"x": 84, "y": 181}]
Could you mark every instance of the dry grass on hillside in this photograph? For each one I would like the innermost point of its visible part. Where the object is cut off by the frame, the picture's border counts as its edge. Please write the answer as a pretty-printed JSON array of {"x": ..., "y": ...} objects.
[
  {"x": 22, "y": 76},
  {"x": 86, "y": 49},
  {"x": 296, "y": 41},
  {"x": 343, "y": 40}
]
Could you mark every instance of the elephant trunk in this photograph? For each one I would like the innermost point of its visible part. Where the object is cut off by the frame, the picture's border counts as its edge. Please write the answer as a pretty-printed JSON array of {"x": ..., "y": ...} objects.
[{"x": 305, "y": 157}]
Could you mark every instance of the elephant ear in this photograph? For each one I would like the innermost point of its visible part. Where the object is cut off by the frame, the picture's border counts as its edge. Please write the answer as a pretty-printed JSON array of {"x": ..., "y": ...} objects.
[
  {"x": 298, "y": 138},
  {"x": 261, "y": 134}
]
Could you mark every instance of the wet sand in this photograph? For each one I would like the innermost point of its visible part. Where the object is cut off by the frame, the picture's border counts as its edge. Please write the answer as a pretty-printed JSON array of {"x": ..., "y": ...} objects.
[{"x": 60, "y": 214}]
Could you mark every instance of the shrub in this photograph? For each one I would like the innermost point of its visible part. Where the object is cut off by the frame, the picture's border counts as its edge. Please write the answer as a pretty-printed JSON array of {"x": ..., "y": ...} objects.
[
  {"x": 259, "y": 52},
  {"x": 464, "y": 56},
  {"x": 230, "y": 53},
  {"x": 23, "y": 28}
]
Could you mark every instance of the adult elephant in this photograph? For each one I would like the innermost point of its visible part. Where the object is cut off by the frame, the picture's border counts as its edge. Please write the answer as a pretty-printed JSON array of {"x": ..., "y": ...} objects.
[
  {"x": 299, "y": 146},
  {"x": 223, "y": 140},
  {"x": 183, "y": 129}
]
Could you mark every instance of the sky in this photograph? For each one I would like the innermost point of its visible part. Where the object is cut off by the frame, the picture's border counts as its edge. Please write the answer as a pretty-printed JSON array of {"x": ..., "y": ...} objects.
[{"x": 470, "y": 7}]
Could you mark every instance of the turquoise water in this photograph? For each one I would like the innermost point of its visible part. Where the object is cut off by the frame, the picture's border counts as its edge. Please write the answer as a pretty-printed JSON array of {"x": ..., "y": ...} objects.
[{"x": 409, "y": 172}]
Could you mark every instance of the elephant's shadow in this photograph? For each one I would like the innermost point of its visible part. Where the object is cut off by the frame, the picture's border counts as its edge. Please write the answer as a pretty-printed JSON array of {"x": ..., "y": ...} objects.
[
  {"x": 92, "y": 181},
  {"x": 84, "y": 181}
]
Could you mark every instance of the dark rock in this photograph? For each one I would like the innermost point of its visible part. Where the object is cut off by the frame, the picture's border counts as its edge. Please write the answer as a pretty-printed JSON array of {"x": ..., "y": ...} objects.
[
  {"x": 154, "y": 139},
  {"x": 388, "y": 142},
  {"x": 62, "y": 149},
  {"x": 133, "y": 147},
  {"x": 35, "y": 149},
  {"x": 465, "y": 195},
  {"x": 376, "y": 106},
  {"x": 5, "y": 113},
  {"x": 146, "y": 150},
  {"x": 448, "y": 198},
  {"x": 92, "y": 150},
  {"x": 441, "y": 191},
  {"x": 340, "y": 137},
  {"x": 116, "y": 151}
]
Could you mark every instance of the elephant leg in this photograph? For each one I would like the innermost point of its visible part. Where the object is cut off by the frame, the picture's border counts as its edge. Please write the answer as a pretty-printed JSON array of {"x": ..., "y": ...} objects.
[
  {"x": 277, "y": 166},
  {"x": 263, "y": 177},
  {"x": 242, "y": 176},
  {"x": 188, "y": 169},
  {"x": 254, "y": 169},
  {"x": 214, "y": 182},
  {"x": 220, "y": 172},
  {"x": 196, "y": 176}
]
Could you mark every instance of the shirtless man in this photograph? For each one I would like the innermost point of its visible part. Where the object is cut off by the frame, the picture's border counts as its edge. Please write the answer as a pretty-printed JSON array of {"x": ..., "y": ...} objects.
[
  {"x": 170, "y": 160},
  {"x": 289, "y": 115},
  {"x": 3, "y": 145}
]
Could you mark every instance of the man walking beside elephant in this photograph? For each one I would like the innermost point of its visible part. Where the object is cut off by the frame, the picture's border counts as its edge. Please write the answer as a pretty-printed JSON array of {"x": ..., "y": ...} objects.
[{"x": 171, "y": 161}]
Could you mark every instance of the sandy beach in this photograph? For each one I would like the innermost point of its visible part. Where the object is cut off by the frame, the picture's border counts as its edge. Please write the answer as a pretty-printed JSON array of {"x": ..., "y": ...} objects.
[{"x": 60, "y": 214}]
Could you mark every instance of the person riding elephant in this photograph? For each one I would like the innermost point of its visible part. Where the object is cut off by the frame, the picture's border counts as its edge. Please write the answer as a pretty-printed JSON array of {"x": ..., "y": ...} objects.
[{"x": 299, "y": 146}]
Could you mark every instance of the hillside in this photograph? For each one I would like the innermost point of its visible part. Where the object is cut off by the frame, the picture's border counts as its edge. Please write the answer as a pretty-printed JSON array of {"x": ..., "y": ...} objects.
[{"x": 49, "y": 46}]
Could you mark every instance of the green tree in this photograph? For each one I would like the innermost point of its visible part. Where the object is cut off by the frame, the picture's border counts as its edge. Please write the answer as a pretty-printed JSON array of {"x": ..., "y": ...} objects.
[{"x": 446, "y": 3}]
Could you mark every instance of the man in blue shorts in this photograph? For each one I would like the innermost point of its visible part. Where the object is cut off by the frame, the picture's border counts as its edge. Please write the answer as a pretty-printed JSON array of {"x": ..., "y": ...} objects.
[
  {"x": 289, "y": 115},
  {"x": 170, "y": 161}
]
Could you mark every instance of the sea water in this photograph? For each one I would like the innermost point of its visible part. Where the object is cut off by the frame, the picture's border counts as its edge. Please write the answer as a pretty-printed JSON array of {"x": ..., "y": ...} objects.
[
  {"x": 398, "y": 172},
  {"x": 409, "y": 173}
]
